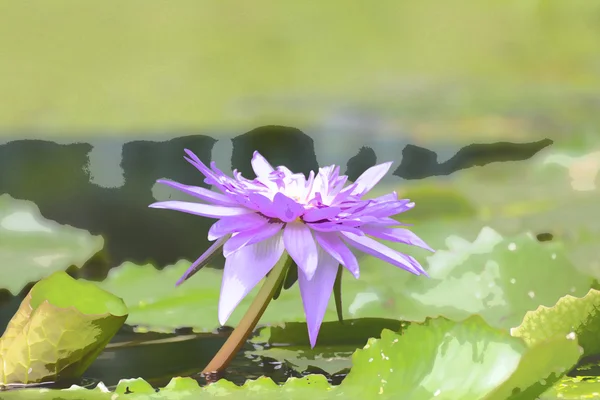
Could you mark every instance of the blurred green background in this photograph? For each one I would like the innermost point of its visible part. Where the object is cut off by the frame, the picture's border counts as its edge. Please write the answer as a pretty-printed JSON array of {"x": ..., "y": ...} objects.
[{"x": 467, "y": 69}]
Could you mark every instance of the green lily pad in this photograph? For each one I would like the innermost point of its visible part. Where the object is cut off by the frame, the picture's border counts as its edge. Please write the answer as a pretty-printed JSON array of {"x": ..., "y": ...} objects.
[
  {"x": 457, "y": 360},
  {"x": 496, "y": 277},
  {"x": 569, "y": 314},
  {"x": 60, "y": 328},
  {"x": 32, "y": 247}
]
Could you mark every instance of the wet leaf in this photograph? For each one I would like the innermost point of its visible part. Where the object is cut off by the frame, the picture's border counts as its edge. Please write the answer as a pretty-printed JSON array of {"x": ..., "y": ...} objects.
[
  {"x": 496, "y": 277},
  {"x": 569, "y": 314},
  {"x": 32, "y": 247},
  {"x": 457, "y": 360},
  {"x": 60, "y": 328}
]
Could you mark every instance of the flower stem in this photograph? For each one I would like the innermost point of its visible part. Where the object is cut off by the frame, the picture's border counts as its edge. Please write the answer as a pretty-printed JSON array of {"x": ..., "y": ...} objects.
[{"x": 239, "y": 335}]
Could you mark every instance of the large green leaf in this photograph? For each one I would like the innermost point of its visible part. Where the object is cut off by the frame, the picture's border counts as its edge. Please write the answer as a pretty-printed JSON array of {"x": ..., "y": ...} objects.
[
  {"x": 495, "y": 277},
  {"x": 32, "y": 247},
  {"x": 457, "y": 360},
  {"x": 498, "y": 278},
  {"x": 438, "y": 359},
  {"x": 569, "y": 314},
  {"x": 60, "y": 328}
]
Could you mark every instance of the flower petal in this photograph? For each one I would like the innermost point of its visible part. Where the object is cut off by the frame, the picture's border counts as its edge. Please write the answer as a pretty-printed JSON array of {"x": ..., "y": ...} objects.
[
  {"x": 301, "y": 246},
  {"x": 205, "y": 210},
  {"x": 203, "y": 260},
  {"x": 285, "y": 208},
  {"x": 400, "y": 235},
  {"x": 249, "y": 237},
  {"x": 371, "y": 177},
  {"x": 333, "y": 227},
  {"x": 260, "y": 165},
  {"x": 262, "y": 204},
  {"x": 211, "y": 178},
  {"x": 244, "y": 269},
  {"x": 200, "y": 192},
  {"x": 317, "y": 214},
  {"x": 376, "y": 249},
  {"x": 333, "y": 245},
  {"x": 316, "y": 293},
  {"x": 388, "y": 208},
  {"x": 236, "y": 224}
]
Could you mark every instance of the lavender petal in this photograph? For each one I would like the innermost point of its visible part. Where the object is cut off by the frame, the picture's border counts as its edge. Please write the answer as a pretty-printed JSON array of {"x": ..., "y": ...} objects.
[
  {"x": 333, "y": 227},
  {"x": 203, "y": 260},
  {"x": 316, "y": 293},
  {"x": 371, "y": 177},
  {"x": 301, "y": 246},
  {"x": 260, "y": 165},
  {"x": 285, "y": 208},
  {"x": 249, "y": 237},
  {"x": 333, "y": 245},
  {"x": 199, "y": 192},
  {"x": 262, "y": 204},
  {"x": 227, "y": 225},
  {"x": 204, "y": 210},
  {"x": 400, "y": 235},
  {"x": 317, "y": 214},
  {"x": 244, "y": 269},
  {"x": 376, "y": 249}
]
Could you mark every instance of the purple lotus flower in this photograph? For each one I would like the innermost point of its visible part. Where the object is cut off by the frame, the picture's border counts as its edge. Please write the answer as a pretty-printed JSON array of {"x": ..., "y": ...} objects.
[{"x": 315, "y": 220}]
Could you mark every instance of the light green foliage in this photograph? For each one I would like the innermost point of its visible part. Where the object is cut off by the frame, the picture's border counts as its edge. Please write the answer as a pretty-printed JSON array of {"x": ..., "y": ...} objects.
[
  {"x": 569, "y": 314},
  {"x": 449, "y": 360},
  {"x": 32, "y": 247},
  {"x": 60, "y": 328}
]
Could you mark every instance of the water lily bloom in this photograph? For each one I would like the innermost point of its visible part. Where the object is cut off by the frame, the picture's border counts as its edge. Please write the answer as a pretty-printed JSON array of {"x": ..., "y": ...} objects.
[{"x": 316, "y": 220}]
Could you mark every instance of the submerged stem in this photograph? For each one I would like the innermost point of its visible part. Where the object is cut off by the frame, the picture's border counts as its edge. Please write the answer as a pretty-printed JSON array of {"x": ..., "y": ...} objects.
[{"x": 239, "y": 335}]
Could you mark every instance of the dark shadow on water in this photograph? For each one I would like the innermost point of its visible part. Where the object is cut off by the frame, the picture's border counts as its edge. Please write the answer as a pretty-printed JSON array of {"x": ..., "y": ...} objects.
[{"x": 418, "y": 162}]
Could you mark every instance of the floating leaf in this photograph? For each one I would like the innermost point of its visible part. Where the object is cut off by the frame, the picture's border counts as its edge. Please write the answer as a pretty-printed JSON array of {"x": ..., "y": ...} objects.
[
  {"x": 456, "y": 360},
  {"x": 32, "y": 247},
  {"x": 60, "y": 328},
  {"x": 495, "y": 277},
  {"x": 569, "y": 314}
]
